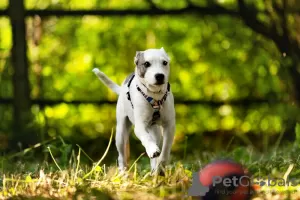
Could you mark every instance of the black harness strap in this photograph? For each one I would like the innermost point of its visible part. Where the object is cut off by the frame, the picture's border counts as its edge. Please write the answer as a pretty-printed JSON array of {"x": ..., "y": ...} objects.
[{"x": 128, "y": 93}]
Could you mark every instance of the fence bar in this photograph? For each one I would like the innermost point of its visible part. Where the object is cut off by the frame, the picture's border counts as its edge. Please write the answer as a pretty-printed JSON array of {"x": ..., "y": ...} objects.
[
  {"x": 239, "y": 102},
  {"x": 138, "y": 12}
]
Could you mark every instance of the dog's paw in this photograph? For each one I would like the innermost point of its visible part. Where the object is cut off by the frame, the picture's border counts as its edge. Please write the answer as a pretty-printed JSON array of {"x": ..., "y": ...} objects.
[
  {"x": 153, "y": 151},
  {"x": 158, "y": 172},
  {"x": 123, "y": 173},
  {"x": 159, "y": 169},
  {"x": 122, "y": 169}
]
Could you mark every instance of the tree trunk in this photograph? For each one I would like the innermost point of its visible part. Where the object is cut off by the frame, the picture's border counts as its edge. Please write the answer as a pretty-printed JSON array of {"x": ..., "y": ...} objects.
[
  {"x": 21, "y": 90},
  {"x": 295, "y": 74},
  {"x": 291, "y": 51}
]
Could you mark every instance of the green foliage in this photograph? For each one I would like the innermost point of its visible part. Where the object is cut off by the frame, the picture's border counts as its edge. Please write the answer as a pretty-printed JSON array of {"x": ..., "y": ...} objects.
[
  {"x": 5, "y": 70},
  {"x": 3, "y": 4},
  {"x": 210, "y": 61}
]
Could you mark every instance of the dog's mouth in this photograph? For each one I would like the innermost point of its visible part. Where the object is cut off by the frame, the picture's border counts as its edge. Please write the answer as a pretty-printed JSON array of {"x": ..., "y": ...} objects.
[
  {"x": 156, "y": 88},
  {"x": 159, "y": 83}
]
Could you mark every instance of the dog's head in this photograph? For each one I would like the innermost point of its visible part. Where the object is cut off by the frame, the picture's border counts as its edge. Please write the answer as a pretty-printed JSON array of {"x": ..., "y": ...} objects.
[{"x": 153, "y": 68}]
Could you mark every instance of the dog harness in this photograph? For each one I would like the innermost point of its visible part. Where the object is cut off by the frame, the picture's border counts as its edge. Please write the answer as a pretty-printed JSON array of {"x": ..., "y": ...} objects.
[{"x": 156, "y": 105}]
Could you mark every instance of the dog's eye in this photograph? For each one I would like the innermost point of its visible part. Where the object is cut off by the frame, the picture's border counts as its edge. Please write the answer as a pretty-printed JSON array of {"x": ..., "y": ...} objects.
[
  {"x": 147, "y": 64},
  {"x": 165, "y": 63}
]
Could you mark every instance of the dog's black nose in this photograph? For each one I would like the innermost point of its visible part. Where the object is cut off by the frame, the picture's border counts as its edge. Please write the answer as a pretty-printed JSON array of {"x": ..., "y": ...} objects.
[{"x": 160, "y": 78}]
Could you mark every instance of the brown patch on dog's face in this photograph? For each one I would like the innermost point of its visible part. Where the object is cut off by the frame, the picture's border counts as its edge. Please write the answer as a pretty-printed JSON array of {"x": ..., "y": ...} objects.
[{"x": 139, "y": 61}]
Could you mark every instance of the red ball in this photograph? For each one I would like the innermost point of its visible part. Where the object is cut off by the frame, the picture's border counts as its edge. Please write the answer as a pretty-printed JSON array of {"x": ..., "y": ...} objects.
[
  {"x": 219, "y": 168},
  {"x": 225, "y": 179}
]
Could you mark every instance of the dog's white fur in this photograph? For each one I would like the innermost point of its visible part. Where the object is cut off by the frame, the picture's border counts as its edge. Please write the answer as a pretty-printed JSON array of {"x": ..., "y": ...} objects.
[{"x": 141, "y": 115}]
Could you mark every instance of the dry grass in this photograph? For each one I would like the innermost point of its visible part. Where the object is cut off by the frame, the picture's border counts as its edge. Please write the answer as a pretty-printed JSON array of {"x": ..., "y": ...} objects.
[
  {"x": 79, "y": 181},
  {"x": 67, "y": 184},
  {"x": 109, "y": 184}
]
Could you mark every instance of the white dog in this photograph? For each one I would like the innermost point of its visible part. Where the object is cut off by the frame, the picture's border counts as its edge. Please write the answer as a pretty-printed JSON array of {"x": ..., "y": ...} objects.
[{"x": 145, "y": 101}]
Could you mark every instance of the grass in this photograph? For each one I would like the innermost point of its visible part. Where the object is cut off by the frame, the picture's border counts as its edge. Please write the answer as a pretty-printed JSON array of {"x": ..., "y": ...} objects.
[{"x": 76, "y": 180}]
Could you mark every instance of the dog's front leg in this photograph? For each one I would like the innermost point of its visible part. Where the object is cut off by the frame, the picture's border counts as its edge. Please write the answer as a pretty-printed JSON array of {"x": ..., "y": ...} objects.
[
  {"x": 168, "y": 137},
  {"x": 155, "y": 132},
  {"x": 147, "y": 139}
]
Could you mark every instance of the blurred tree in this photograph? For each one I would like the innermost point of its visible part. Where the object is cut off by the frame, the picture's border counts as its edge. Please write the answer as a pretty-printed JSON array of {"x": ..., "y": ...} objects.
[
  {"x": 277, "y": 20},
  {"x": 21, "y": 91}
]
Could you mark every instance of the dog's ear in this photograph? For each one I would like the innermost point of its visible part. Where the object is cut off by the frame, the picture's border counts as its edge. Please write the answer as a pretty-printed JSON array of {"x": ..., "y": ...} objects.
[
  {"x": 163, "y": 50},
  {"x": 137, "y": 56}
]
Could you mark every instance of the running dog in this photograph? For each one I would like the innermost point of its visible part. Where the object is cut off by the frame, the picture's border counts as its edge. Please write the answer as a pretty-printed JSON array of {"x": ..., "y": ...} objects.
[{"x": 145, "y": 100}]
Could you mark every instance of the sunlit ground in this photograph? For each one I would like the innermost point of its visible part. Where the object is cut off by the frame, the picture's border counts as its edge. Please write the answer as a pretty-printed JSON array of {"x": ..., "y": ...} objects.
[{"x": 49, "y": 180}]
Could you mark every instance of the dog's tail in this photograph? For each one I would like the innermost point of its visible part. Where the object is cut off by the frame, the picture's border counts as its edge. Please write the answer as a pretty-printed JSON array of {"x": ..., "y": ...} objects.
[{"x": 109, "y": 83}]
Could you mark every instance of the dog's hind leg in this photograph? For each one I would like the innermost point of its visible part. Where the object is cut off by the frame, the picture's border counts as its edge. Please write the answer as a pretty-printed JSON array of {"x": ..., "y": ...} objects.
[
  {"x": 127, "y": 150},
  {"x": 122, "y": 141}
]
